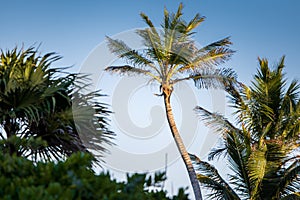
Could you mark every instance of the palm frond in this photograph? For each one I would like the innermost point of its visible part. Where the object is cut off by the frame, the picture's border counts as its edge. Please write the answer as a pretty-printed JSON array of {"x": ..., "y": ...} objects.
[
  {"x": 195, "y": 22},
  {"x": 211, "y": 55},
  {"x": 126, "y": 69},
  {"x": 214, "y": 78},
  {"x": 209, "y": 177},
  {"x": 291, "y": 97},
  {"x": 256, "y": 169},
  {"x": 154, "y": 49},
  {"x": 119, "y": 48},
  {"x": 175, "y": 18},
  {"x": 36, "y": 102},
  {"x": 293, "y": 196},
  {"x": 217, "y": 152},
  {"x": 129, "y": 70},
  {"x": 260, "y": 151},
  {"x": 290, "y": 181},
  {"x": 147, "y": 20},
  {"x": 234, "y": 146}
]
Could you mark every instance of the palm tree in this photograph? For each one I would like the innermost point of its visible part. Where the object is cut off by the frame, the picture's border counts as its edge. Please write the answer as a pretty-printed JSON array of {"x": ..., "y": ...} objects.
[
  {"x": 171, "y": 56},
  {"x": 263, "y": 149},
  {"x": 42, "y": 109}
]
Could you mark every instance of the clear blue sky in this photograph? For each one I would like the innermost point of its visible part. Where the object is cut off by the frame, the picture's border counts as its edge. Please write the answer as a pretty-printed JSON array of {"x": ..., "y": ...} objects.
[{"x": 268, "y": 28}]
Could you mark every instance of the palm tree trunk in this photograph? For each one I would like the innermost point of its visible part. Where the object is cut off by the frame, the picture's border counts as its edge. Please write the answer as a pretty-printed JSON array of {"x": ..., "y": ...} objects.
[{"x": 167, "y": 91}]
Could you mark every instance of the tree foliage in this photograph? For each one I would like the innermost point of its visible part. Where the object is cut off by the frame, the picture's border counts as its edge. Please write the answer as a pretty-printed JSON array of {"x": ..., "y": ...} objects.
[
  {"x": 170, "y": 55},
  {"x": 263, "y": 149},
  {"x": 74, "y": 179},
  {"x": 38, "y": 101}
]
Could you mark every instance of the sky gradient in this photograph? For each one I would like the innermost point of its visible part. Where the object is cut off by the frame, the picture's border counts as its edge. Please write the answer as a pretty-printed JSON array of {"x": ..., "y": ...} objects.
[{"x": 73, "y": 28}]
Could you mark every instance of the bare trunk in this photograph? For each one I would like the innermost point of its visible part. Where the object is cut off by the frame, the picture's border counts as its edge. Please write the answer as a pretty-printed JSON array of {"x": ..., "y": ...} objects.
[{"x": 167, "y": 91}]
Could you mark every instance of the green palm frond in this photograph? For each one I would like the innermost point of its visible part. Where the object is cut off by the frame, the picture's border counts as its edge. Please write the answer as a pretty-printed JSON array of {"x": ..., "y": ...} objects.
[
  {"x": 170, "y": 52},
  {"x": 214, "y": 78},
  {"x": 267, "y": 92},
  {"x": 209, "y": 56},
  {"x": 290, "y": 181},
  {"x": 209, "y": 177},
  {"x": 36, "y": 102},
  {"x": 129, "y": 70},
  {"x": 294, "y": 196},
  {"x": 175, "y": 18},
  {"x": 123, "y": 51},
  {"x": 260, "y": 151},
  {"x": 256, "y": 169},
  {"x": 153, "y": 43},
  {"x": 291, "y": 97},
  {"x": 195, "y": 22},
  {"x": 147, "y": 20},
  {"x": 234, "y": 146}
]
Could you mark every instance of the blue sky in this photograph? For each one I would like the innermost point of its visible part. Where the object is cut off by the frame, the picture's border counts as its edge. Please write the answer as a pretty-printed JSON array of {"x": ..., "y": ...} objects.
[{"x": 268, "y": 29}]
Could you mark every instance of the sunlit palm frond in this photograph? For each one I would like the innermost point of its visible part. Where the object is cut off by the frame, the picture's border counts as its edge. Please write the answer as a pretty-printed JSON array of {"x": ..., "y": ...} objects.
[
  {"x": 171, "y": 51},
  {"x": 123, "y": 51},
  {"x": 153, "y": 46},
  {"x": 152, "y": 29},
  {"x": 209, "y": 56},
  {"x": 225, "y": 42},
  {"x": 214, "y": 78},
  {"x": 256, "y": 169},
  {"x": 261, "y": 150},
  {"x": 195, "y": 22},
  {"x": 175, "y": 18}
]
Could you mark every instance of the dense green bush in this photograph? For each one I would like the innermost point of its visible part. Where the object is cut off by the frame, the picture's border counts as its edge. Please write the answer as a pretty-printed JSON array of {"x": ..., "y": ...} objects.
[{"x": 74, "y": 178}]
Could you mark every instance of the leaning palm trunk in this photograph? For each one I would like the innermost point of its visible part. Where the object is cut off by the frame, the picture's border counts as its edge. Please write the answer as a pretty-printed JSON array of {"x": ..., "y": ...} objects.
[{"x": 167, "y": 91}]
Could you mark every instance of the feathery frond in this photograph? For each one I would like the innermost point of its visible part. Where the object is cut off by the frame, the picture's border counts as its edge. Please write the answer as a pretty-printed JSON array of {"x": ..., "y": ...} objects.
[
  {"x": 209, "y": 177},
  {"x": 170, "y": 55},
  {"x": 36, "y": 103},
  {"x": 260, "y": 152}
]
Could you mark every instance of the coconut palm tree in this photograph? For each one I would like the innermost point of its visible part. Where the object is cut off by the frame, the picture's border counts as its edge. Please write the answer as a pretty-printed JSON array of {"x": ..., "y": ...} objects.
[
  {"x": 42, "y": 108},
  {"x": 263, "y": 149},
  {"x": 171, "y": 56}
]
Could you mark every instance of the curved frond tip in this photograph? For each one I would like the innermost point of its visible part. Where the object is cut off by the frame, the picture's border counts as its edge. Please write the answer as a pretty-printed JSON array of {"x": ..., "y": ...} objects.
[{"x": 126, "y": 69}]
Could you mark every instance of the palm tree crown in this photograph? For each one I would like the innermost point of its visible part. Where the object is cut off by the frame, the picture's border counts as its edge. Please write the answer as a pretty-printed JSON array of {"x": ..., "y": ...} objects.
[
  {"x": 263, "y": 151},
  {"x": 40, "y": 102},
  {"x": 171, "y": 56}
]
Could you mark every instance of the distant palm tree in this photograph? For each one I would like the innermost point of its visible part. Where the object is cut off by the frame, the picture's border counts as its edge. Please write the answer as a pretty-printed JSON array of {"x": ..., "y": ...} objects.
[
  {"x": 42, "y": 108},
  {"x": 171, "y": 56},
  {"x": 263, "y": 150}
]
